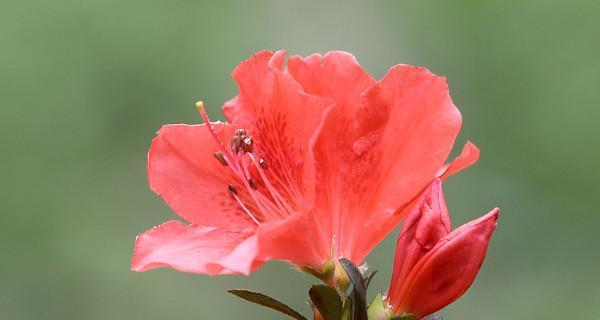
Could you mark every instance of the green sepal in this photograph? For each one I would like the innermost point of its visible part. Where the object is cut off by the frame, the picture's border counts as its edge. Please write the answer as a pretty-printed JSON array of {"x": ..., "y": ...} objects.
[
  {"x": 324, "y": 274},
  {"x": 376, "y": 310},
  {"x": 359, "y": 293},
  {"x": 404, "y": 316},
  {"x": 314, "y": 272},
  {"x": 369, "y": 278},
  {"x": 327, "y": 300},
  {"x": 266, "y": 301}
]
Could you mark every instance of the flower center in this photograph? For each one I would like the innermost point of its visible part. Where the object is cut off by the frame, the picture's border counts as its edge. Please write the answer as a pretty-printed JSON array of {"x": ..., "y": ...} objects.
[{"x": 263, "y": 202}]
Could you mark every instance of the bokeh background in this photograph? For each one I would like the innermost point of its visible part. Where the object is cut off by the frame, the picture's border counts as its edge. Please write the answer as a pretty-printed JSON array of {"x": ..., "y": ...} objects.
[{"x": 84, "y": 85}]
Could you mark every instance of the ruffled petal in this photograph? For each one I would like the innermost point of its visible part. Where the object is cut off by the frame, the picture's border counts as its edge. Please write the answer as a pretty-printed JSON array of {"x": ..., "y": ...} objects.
[
  {"x": 183, "y": 170},
  {"x": 468, "y": 156},
  {"x": 448, "y": 270},
  {"x": 373, "y": 162},
  {"x": 296, "y": 240},
  {"x": 195, "y": 249},
  {"x": 270, "y": 102},
  {"x": 421, "y": 231},
  {"x": 282, "y": 119},
  {"x": 336, "y": 75},
  {"x": 411, "y": 112},
  {"x": 339, "y": 76},
  {"x": 254, "y": 74}
]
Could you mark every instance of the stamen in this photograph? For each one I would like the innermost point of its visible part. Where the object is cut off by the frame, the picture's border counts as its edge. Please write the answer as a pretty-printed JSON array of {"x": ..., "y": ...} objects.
[
  {"x": 219, "y": 155},
  {"x": 241, "y": 142},
  {"x": 232, "y": 189},
  {"x": 237, "y": 199},
  {"x": 263, "y": 164},
  {"x": 227, "y": 156},
  {"x": 266, "y": 206},
  {"x": 200, "y": 106},
  {"x": 252, "y": 183},
  {"x": 276, "y": 196},
  {"x": 236, "y": 144},
  {"x": 271, "y": 205},
  {"x": 248, "y": 144}
]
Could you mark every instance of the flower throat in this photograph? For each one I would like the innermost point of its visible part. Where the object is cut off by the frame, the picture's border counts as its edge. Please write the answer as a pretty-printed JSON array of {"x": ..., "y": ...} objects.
[{"x": 241, "y": 160}]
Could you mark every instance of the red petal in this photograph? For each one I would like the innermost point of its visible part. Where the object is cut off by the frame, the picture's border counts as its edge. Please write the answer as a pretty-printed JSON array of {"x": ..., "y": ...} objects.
[
  {"x": 195, "y": 249},
  {"x": 336, "y": 75},
  {"x": 449, "y": 269},
  {"x": 281, "y": 117},
  {"x": 296, "y": 240},
  {"x": 421, "y": 231},
  {"x": 270, "y": 97},
  {"x": 417, "y": 132},
  {"x": 468, "y": 156},
  {"x": 374, "y": 161},
  {"x": 253, "y": 75},
  {"x": 182, "y": 169}
]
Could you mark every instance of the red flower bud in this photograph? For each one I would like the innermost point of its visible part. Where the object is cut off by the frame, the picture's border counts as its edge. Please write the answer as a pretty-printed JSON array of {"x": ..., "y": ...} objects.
[{"x": 432, "y": 267}]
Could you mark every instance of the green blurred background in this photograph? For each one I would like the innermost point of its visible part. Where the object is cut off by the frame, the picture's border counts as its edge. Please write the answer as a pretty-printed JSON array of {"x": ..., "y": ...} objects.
[{"x": 84, "y": 85}]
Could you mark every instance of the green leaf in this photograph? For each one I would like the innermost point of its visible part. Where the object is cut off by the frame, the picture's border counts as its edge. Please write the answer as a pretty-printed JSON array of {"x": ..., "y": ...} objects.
[
  {"x": 359, "y": 292},
  {"x": 267, "y": 301},
  {"x": 327, "y": 301},
  {"x": 369, "y": 278}
]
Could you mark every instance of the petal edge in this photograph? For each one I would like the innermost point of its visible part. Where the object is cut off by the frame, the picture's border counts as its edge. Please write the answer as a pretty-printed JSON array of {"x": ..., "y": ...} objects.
[{"x": 189, "y": 248}]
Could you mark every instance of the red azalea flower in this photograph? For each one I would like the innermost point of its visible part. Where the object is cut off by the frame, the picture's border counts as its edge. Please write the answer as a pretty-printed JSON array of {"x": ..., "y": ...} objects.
[
  {"x": 433, "y": 266},
  {"x": 317, "y": 161}
]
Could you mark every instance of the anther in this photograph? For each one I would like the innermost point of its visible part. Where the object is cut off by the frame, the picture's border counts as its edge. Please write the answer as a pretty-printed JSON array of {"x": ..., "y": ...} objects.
[
  {"x": 232, "y": 189},
  {"x": 219, "y": 155},
  {"x": 236, "y": 143},
  {"x": 240, "y": 132},
  {"x": 248, "y": 143},
  {"x": 252, "y": 183},
  {"x": 263, "y": 164},
  {"x": 241, "y": 142}
]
